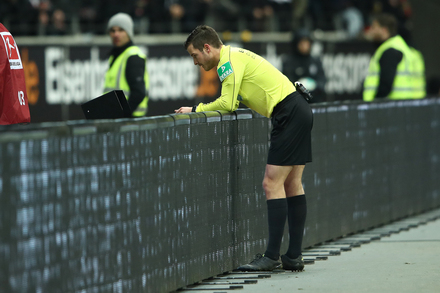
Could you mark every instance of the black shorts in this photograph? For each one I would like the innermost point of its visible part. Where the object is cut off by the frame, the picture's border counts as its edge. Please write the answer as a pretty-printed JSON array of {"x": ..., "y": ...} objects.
[{"x": 291, "y": 135}]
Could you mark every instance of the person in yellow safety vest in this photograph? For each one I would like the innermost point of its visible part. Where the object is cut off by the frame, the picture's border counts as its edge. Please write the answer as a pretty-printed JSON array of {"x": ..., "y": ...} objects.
[
  {"x": 127, "y": 65},
  {"x": 393, "y": 69},
  {"x": 420, "y": 79}
]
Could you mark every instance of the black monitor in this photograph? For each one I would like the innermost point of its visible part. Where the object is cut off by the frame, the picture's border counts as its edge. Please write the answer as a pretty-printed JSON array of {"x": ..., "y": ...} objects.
[{"x": 111, "y": 105}]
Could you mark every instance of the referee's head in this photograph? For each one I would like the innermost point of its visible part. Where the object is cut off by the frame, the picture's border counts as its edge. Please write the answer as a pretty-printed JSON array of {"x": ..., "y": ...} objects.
[{"x": 202, "y": 35}]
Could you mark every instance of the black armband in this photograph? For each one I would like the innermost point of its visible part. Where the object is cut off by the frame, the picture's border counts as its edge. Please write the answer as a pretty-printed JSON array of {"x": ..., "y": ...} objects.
[{"x": 194, "y": 108}]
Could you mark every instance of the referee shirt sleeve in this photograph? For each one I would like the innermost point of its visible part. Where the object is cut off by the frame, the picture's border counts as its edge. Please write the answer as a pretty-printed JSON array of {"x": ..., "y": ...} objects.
[{"x": 230, "y": 88}]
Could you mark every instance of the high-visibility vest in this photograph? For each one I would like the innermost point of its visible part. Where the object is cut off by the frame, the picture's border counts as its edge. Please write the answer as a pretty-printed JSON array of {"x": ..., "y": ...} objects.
[
  {"x": 115, "y": 78},
  {"x": 404, "y": 85},
  {"x": 419, "y": 66}
]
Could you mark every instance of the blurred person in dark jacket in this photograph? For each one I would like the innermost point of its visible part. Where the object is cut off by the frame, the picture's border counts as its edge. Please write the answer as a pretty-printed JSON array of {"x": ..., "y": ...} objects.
[
  {"x": 20, "y": 16},
  {"x": 301, "y": 66},
  {"x": 224, "y": 14},
  {"x": 283, "y": 11},
  {"x": 188, "y": 13},
  {"x": 58, "y": 25},
  {"x": 258, "y": 14},
  {"x": 155, "y": 13}
]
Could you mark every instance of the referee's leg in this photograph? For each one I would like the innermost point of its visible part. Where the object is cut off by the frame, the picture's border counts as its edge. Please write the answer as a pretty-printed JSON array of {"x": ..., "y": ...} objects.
[
  {"x": 293, "y": 183},
  {"x": 273, "y": 185},
  {"x": 274, "y": 181},
  {"x": 296, "y": 218}
]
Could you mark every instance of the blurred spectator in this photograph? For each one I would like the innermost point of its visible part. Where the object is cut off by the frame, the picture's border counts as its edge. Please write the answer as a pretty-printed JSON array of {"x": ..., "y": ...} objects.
[
  {"x": 156, "y": 12},
  {"x": 140, "y": 16},
  {"x": 61, "y": 17},
  {"x": 177, "y": 13},
  {"x": 187, "y": 14},
  {"x": 167, "y": 16},
  {"x": 283, "y": 14},
  {"x": 257, "y": 14},
  {"x": 301, "y": 66},
  {"x": 58, "y": 26},
  {"x": 64, "y": 18},
  {"x": 394, "y": 70},
  {"x": 44, "y": 7},
  {"x": 224, "y": 15},
  {"x": 20, "y": 16},
  {"x": 88, "y": 16},
  {"x": 401, "y": 10},
  {"x": 299, "y": 13},
  {"x": 322, "y": 13},
  {"x": 352, "y": 20}
]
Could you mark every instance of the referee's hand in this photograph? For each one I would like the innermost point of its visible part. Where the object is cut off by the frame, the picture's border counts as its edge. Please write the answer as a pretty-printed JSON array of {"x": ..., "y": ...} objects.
[{"x": 183, "y": 110}]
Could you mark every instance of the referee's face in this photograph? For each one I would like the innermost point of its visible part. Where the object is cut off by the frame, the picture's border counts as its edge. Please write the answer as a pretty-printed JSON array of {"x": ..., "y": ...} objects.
[{"x": 201, "y": 58}]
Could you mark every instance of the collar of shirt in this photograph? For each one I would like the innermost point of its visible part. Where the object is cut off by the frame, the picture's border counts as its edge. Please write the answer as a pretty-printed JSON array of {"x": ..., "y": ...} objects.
[{"x": 116, "y": 51}]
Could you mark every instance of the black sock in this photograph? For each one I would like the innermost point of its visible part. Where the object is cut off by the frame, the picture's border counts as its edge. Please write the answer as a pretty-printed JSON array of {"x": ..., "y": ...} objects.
[
  {"x": 276, "y": 216},
  {"x": 296, "y": 212}
]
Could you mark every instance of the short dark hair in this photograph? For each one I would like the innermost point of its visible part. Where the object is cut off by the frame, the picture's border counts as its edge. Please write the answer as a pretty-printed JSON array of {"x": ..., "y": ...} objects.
[
  {"x": 387, "y": 21},
  {"x": 201, "y": 35}
]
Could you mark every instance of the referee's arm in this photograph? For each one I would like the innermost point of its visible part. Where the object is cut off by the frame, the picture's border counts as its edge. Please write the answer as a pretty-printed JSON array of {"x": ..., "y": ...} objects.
[{"x": 230, "y": 87}]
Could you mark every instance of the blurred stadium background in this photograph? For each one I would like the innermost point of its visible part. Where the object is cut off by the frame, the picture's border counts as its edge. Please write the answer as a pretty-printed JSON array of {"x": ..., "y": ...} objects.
[
  {"x": 116, "y": 205},
  {"x": 64, "y": 45}
]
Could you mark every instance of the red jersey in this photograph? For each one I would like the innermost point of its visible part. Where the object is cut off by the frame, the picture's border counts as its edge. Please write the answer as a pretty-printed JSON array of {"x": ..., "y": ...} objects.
[{"x": 14, "y": 106}]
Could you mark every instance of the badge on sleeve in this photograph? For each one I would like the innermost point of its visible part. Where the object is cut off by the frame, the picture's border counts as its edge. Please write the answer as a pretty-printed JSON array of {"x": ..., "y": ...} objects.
[
  {"x": 11, "y": 50},
  {"x": 224, "y": 71}
]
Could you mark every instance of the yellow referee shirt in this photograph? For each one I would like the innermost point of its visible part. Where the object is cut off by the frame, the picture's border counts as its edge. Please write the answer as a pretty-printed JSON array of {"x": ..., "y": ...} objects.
[{"x": 250, "y": 79}]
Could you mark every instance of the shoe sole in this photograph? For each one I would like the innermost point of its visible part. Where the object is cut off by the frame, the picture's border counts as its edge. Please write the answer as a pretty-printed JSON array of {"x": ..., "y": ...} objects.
[
  {"x": 254, "y": 270},
  {"x": 294, "y": 270},
  {"x": 297, "y": 268}
]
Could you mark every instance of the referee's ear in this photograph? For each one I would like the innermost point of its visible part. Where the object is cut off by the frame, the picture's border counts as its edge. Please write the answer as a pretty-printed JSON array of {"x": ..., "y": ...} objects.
[{"x": 207, "y": 47}]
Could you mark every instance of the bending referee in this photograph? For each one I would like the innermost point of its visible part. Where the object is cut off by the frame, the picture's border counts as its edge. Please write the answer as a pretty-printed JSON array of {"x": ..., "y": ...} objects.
[{"x": 253, "y": 81}]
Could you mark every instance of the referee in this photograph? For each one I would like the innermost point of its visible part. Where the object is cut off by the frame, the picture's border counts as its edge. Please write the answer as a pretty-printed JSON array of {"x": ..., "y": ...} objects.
[{"x": 253, "y": 81}]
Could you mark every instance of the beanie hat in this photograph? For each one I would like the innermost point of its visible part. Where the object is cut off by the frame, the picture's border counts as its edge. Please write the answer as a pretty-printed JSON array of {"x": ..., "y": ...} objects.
[{"x": 124, "y": 21}]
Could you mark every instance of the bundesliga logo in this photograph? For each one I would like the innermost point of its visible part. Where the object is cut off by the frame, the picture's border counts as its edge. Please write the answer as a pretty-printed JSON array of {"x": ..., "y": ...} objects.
[{"x": 11, "y": 51}]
